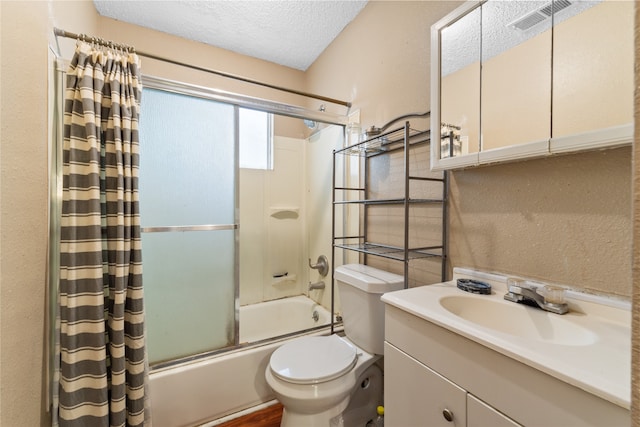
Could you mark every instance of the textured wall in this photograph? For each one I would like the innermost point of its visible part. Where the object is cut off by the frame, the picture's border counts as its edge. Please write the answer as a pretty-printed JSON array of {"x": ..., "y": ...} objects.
[
  {"x": 635, "y": 339},
  {"x": 25, "y": 31},
  {"x": 380, "y": 62},
  {"x": 205, "y": 56},
  {"x": 562, "y": 219}
]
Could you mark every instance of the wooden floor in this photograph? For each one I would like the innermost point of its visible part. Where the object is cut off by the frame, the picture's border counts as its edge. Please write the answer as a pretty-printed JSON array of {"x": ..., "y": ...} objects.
[{"x": 267, "y": 417}]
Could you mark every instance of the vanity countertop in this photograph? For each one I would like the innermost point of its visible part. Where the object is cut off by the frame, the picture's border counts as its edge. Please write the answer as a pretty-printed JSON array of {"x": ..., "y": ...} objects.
[{"x": 589, "y": 347}]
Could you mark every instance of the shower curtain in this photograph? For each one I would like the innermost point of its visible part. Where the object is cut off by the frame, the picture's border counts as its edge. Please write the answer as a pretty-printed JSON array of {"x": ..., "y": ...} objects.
[{"x": 101, "y": 379}]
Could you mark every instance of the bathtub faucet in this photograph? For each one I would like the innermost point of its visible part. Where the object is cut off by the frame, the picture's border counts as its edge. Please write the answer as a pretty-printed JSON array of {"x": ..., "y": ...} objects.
[
  {"x": 322, "y": 265},
  {"x": 317, "y": 285}
]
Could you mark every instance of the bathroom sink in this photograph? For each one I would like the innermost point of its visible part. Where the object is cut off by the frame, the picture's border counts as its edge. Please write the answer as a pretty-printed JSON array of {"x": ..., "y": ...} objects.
[
  {"x": 518, "y": 320},
  {"x": 588, "y": 347}
]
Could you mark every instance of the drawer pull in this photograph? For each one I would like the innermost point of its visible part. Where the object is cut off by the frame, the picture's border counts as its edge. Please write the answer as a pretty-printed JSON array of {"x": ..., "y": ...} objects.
[{"x": 448, "y": 415}]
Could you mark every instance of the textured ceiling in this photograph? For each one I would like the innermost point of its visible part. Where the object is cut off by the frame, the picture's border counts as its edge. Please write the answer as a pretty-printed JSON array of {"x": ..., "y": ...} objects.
[{"x": 291, "y": 33}]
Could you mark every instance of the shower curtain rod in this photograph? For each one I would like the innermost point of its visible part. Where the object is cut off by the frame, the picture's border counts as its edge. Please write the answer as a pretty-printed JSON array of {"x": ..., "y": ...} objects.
[{"x": 67, "y": 34}]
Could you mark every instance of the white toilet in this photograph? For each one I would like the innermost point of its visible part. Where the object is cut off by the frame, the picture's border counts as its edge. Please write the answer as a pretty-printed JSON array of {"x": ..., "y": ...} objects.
[{"x": 332, "y": 380}]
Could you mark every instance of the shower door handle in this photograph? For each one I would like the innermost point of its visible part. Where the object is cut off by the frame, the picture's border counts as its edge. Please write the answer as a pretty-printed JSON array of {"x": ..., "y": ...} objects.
[{"x": 322, "y": 265}]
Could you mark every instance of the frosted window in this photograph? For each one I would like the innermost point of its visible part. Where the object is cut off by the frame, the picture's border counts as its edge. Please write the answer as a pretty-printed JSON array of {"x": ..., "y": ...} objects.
[{"x": 256, "y": 139}]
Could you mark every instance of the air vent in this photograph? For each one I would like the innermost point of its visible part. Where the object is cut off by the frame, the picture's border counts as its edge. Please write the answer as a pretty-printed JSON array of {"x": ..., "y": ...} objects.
[
  {"x": 540, "y": 15},
  {"x": 555, "y": 7}
]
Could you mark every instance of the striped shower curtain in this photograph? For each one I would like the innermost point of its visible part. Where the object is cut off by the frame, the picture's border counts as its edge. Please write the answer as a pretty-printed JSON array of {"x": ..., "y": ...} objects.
[{"x": 102, "y": 374}]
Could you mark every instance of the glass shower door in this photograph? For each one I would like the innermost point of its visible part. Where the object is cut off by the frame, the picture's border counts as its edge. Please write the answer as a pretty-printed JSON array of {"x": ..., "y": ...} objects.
[{"x": 188, "y": 208}]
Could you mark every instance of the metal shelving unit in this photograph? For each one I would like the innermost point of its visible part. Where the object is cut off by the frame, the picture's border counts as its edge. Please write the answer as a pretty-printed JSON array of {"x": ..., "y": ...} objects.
[{"x": 402, "y": 138}]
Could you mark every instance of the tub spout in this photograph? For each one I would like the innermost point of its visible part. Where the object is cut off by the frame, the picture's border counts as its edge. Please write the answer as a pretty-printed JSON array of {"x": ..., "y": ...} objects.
[{"x": 317, "y": 285}]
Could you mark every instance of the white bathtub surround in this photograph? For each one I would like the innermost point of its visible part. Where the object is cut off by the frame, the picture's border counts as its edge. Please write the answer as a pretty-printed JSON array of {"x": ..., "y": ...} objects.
[
  {"x": 272, "y": 226},
  {"x": 285, "y": 219},
  {"x": 589, "y": 347}
]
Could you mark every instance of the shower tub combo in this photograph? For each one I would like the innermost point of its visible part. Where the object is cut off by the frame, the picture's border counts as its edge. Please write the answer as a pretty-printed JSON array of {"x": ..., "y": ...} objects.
[{"x": 213, "y": 387}]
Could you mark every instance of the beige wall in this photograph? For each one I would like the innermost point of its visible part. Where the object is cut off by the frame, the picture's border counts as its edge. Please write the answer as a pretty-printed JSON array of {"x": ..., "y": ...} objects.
[
  {"x": 205, "y": 56},
  {"x": 381, "y": 63},
  {"x": 635, "y": 327},
  {"x": 381, "y": 60},
  {"x": 26, "y": 31},
  {"x": 565, "y": 219},
  {"x": 562, "y": 219}
]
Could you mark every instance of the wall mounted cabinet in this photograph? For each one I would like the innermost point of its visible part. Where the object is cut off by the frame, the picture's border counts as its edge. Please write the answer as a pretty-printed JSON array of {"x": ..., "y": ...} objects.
[
  {"x": 593, "y": 61},
  {"x": 517, "y": 80}
]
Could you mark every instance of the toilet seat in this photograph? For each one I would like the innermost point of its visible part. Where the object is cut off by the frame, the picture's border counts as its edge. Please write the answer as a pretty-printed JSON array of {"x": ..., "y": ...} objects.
[{"x": 310, "y": 360}]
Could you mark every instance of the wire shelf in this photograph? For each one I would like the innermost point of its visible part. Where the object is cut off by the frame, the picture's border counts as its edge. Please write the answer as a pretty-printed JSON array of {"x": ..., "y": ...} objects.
[
  {"x": 384, "y": 142},
  {"x": 387, "y": 201},
  {"x": 392, "y": 252},
  {"x": 404, "y": 139}
]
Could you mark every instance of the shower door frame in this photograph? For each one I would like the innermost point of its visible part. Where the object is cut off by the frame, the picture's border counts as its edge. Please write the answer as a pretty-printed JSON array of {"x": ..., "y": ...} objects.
[{"x": 237, "y": 101}]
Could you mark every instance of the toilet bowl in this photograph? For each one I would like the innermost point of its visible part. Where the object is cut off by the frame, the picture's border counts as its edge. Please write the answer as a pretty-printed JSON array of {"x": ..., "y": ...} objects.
[
  {"x": 334, "y": 380},
  {"x": 321, "y": 375}
]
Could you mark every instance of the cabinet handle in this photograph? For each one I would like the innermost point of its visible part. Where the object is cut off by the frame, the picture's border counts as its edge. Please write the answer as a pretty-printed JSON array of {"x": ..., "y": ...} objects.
[{"x": 448, "y": 415}]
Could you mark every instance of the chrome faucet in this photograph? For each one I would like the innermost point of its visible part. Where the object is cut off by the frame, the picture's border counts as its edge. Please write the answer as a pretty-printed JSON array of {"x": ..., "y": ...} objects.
[
  {"x": 552, "y": 300},
  {"x": 322, "y": 265},
  {"x": 317, "y": 285}
]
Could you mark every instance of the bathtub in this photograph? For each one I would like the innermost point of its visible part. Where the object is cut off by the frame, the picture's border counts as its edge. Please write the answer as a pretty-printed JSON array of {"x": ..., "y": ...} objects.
[
  {"x": 203, "y": 390},
  {"x": 280, "y": 317}
]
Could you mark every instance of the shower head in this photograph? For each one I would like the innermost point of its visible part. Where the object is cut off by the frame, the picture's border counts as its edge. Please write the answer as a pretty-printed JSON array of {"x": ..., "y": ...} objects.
[{"x": 310, "y": 124}]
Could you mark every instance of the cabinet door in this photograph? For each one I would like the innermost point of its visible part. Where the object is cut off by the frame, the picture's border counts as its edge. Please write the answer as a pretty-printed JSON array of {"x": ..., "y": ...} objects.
[
  {"x": 593, "y": 69},
  {"x": 460, "y": 85},
  {"x": 416, "y": 396},
  {"x": 479, "y": 414},
  {"x": 516, "y": 77}
]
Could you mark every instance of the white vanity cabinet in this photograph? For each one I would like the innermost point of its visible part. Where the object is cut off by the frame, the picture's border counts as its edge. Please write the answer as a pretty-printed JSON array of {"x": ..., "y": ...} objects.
[
  {"x": 415, "y": 395},
  {"x": 430, "y": 370}
]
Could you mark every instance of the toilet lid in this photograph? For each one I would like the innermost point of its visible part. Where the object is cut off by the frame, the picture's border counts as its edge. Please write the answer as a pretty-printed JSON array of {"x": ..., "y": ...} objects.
[{"x": 309, "y": 360}]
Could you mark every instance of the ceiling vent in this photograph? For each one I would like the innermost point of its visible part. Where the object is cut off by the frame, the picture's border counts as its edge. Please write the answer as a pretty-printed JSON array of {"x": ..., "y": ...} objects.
[{"x": 542, "y": 14}]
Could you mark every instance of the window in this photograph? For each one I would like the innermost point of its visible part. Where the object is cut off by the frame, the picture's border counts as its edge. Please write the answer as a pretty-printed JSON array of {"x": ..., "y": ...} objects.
[{"x": 256, "y": 139}]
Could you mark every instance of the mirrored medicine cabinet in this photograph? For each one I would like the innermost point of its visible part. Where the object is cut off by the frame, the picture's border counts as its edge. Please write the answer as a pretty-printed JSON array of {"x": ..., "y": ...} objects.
[{"x": 530, "y": 78}]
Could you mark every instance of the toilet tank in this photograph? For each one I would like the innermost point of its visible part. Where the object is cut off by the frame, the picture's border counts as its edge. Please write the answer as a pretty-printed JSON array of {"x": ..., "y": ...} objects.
[{"x": 360, "y": 288}]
